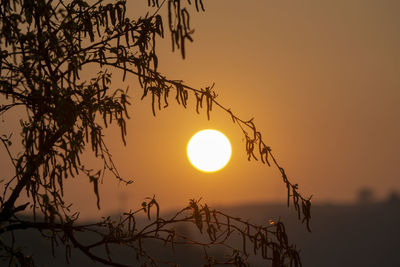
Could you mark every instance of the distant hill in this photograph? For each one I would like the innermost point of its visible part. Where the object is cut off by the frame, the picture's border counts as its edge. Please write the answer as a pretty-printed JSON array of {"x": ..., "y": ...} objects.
[{"x": 363, "y": 234}]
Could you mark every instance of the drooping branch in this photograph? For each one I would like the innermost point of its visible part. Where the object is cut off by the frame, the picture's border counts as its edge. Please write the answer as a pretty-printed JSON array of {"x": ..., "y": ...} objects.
[
  {"x": 270, "y": 241},
  {"x": 33, "y": 164},
  {"x": 254, "y": 141},
  {"x": 47, "y": 45}
]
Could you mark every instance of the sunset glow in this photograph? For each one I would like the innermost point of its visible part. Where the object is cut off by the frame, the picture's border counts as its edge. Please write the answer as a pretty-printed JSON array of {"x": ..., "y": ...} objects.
[{"x": 209, "y": 150}]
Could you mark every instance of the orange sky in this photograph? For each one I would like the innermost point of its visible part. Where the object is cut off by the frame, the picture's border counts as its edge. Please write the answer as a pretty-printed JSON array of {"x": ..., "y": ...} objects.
[{"x": 321, "y": 79}]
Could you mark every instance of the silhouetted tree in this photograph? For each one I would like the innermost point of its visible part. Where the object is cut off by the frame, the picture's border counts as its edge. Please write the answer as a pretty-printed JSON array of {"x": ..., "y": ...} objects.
[{"x": 45, "y": 47}]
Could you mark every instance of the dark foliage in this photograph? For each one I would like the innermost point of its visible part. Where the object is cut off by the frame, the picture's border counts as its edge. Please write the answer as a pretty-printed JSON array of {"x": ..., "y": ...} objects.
[{"x": 45, "y": 47}]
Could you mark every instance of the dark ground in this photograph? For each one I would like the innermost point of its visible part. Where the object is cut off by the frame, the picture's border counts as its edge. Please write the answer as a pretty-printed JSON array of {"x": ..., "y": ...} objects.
[{"x": 363, "y": 234}]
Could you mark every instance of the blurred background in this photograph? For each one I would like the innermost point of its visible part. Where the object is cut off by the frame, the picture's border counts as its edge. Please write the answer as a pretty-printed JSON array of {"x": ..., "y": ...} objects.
[
  {"x": 364, "y": 233},
  {"x": 321, "y": 79}
]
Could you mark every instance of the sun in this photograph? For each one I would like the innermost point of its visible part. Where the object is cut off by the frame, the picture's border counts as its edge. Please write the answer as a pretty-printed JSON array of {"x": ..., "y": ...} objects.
[{"x": 209, "y": 150}]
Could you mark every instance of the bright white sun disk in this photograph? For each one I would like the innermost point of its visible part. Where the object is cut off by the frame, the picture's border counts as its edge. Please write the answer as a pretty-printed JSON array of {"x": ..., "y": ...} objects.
[{"x": 209, "y": 150}]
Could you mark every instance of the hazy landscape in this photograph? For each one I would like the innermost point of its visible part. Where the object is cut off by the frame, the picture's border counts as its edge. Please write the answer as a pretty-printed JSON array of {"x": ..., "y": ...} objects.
[
  {"x": 365, "y": 233},
  {"x": 101, "y": 104}
]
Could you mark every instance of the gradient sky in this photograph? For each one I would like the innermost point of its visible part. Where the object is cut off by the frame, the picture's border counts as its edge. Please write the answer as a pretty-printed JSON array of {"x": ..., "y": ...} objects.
[{"x": 321, "y": 79}]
